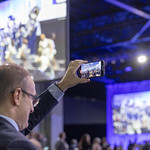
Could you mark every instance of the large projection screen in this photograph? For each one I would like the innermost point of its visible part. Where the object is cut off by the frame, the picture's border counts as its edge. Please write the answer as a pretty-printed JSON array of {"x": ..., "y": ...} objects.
[
  {"x": 33, "y": 33},
  {"x": 128, "y": 113}
]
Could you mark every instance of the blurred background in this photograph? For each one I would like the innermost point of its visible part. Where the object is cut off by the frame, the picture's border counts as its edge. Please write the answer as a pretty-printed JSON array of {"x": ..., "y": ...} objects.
[{"x": 115, "y": 106}]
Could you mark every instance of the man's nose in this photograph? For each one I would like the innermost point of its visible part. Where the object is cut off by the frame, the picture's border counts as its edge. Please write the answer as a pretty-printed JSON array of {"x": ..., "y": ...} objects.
[{"x": 32, "y": 110}]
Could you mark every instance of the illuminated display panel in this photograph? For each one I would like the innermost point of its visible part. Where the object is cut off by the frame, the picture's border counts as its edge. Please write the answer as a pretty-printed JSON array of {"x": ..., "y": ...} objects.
[
  {"x": 128, "y": 114},
  {"x": 131, "y": 113},
  {"x": 49, "y": 9},
  {"x": 21, "y": 36}
]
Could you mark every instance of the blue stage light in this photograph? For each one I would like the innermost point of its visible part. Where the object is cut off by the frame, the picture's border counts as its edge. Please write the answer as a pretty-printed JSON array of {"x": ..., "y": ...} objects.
[{"x": 128, "y": 69}]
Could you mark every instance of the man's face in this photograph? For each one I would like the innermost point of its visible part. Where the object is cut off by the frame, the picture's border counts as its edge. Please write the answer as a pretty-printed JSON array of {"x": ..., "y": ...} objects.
[{"x": 26, "y": 104}]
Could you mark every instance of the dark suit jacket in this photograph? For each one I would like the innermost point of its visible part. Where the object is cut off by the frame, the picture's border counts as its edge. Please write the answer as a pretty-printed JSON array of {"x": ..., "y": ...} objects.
[
  {"x": 60, "y": 145},
  {"x": 11, "y": 139}
]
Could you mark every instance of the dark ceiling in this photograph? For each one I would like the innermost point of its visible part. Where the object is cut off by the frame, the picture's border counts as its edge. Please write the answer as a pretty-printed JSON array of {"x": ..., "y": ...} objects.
[{"x": 116, "y": 31}]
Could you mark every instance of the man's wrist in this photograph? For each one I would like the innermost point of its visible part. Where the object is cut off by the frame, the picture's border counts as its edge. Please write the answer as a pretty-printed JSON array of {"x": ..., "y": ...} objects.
[
  {"x": 57, "y": 84},
  {"x": 61, "y": 86}
]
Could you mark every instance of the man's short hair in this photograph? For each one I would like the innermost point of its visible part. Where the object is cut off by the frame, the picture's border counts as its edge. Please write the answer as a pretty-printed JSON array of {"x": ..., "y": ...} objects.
[
  {"x": 62, "y": 134},
  {"x": 11, "y": 77}
]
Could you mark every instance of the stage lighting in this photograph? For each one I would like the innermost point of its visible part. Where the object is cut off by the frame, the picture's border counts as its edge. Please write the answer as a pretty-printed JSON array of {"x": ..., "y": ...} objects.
[
  {"x": 128, "y": 69},
  {"x": 113, "y": 62},
  {"x": 122, "y": 60},
  {"x": 142, "y": 59}
]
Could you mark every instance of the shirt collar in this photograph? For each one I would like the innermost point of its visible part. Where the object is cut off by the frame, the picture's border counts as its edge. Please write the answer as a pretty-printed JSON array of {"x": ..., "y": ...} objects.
[{"x": 11, "y": 121}]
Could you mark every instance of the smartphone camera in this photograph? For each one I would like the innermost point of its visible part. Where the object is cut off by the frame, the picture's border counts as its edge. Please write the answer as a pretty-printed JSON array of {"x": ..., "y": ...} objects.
[{"x": 92, "y": 70}]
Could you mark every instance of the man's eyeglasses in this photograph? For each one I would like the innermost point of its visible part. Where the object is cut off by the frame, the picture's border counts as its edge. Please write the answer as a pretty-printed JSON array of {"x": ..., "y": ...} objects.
[{"x": 35, "y": 99}]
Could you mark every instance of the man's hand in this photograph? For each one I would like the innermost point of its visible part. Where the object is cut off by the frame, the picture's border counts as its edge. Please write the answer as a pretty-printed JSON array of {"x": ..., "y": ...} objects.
[{"x": 71, "y": 78}]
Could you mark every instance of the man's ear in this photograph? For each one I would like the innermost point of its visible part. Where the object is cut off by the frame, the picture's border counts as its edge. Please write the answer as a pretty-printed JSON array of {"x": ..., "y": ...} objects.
[{"x": 17, "y": 96}]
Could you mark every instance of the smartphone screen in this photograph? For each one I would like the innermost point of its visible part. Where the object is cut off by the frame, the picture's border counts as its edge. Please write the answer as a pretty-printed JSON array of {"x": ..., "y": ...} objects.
[{"x": 92, "y": 70}]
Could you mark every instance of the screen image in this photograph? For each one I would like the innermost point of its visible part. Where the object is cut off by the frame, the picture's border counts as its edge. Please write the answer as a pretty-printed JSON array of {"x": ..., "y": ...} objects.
[
  {"x": 33, "y": 34},
  {"x": 19, "y": 10},
  {"x": 131, "y": 113},
  {"x": 93, "y": 69}
]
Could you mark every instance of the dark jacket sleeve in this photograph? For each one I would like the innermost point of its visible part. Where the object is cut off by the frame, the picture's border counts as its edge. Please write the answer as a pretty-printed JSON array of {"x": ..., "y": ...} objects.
[{"x": 46, "y": 104}]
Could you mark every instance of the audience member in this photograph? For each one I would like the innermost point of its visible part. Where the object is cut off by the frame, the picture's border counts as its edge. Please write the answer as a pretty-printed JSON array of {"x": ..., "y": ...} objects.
[
  {"x": 61, "y": 144},
  {"x": 37, "y": 139},
  {"x": 73, "y": 144},
  {"x": 107, "y": 147},
  {"x": 104, "y": 142},
  {"x": 130, "y": 146},
  {"x": 20, "y": 108},
  {"x": 85, "y": 142},
  {"x": 146, "y": 146},
  {"x": 96, "y": 144},
  {"x": 36, "y": 143}
]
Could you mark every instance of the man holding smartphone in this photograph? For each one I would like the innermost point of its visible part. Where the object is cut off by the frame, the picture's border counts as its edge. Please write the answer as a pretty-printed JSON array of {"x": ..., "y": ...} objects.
[{"x": 20, "y": 108}]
